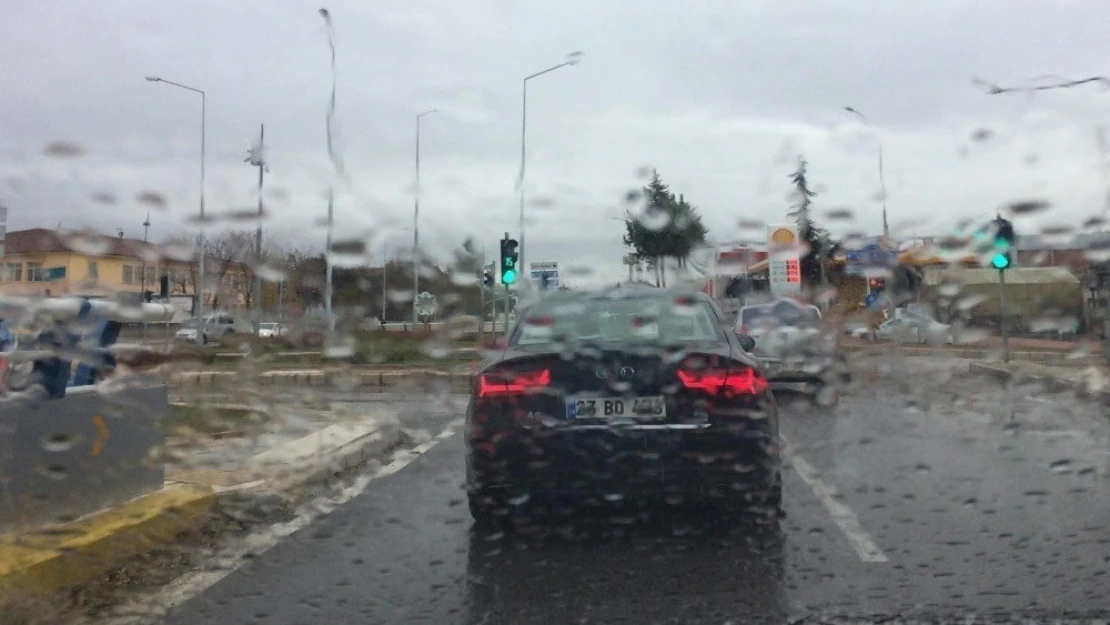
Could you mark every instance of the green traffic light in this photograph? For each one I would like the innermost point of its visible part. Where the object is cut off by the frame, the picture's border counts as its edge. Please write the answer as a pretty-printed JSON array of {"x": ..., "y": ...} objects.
[
  {"x": 1000, "y": 261},
  {"x": 508, "y": 276}
]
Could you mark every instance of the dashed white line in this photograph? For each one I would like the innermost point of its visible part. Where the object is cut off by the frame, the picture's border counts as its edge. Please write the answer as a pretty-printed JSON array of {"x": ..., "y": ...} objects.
[{"x": 845, "y": 520}]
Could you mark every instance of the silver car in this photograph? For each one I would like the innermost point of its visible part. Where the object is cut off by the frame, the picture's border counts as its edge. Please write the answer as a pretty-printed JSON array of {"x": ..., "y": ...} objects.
[{"x": 795, "y": 351}]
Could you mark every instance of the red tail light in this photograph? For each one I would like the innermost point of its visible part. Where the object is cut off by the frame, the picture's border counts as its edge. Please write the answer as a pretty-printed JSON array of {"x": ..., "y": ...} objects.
[
  {"x": 717, "y": 381},
  {"x": 512, "y": 382},
  {"x": 744, "y": 329}
]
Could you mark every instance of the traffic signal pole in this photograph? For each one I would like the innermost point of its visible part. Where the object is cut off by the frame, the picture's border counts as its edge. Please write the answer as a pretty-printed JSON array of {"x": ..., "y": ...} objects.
[
  {"x": 506, "y": 328},
  {"x": 1002, "y": 314}
]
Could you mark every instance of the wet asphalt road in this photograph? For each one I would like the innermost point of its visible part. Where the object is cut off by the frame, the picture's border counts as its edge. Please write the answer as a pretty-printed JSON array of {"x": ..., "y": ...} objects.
[{"x": 927, "y": 494}]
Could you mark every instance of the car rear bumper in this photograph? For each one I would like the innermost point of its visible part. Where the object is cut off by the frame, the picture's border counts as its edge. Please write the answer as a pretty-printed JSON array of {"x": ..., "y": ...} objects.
[{"x": 618, "y": 462}]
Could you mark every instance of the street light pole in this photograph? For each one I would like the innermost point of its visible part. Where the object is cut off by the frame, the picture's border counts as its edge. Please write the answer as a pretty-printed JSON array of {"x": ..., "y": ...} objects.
[
  {"x": 199, "y": 306},
  {"x": 572, "y": 59},
  {"x": 416, "y": 221},
  {"x": 328, "y": 263},
  {"x": 882, "y": 177}
]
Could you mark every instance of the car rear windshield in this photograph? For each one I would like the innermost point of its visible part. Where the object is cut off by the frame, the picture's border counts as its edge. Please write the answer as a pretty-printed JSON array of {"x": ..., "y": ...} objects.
[
  {"x": 780, "y": 314},
  {"x": 664, "y": 320}
]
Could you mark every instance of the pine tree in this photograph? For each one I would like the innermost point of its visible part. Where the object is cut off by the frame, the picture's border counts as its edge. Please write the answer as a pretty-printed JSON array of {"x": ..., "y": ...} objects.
[{"x": 819, "y": 243}]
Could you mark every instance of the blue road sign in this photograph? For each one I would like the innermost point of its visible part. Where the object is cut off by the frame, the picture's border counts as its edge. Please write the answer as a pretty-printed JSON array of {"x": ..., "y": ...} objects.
[
  {"x": 871, "y": 256},
  {"x": 547, "y": 280}
]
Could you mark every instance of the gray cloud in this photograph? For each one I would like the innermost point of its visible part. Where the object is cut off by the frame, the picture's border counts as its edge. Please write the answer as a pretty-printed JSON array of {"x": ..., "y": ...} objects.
[{"x": 719, "y": 96}]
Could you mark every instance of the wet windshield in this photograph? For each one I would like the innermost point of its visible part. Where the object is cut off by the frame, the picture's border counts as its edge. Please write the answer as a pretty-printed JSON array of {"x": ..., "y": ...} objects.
[{"x": 583, "y": 312}]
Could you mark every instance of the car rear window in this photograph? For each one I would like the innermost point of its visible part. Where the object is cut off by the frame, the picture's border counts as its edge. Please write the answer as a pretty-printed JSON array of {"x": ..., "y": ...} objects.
[
  {"x": 605, "y": 320},
  {"x": 780, "y": 314}
]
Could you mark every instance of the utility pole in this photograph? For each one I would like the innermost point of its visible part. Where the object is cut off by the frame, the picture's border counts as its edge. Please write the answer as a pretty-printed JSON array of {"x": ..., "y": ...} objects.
[
  {"x": 142, "y": 282},
  {"x": 256, "y": 158}
]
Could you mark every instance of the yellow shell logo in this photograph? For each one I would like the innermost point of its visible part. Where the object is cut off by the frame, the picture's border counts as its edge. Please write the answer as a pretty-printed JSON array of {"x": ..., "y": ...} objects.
[{"x": 782, "y": 236}]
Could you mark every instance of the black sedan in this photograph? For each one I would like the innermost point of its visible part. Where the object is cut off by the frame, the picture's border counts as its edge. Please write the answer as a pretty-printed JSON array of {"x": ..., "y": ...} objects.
[{"x": 621, "y": 394}]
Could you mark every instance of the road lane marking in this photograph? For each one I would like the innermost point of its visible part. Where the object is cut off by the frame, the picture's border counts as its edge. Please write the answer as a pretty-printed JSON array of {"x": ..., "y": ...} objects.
[
  {"x": 845, "y": 520},
  {"x": 232, "y": 558}
]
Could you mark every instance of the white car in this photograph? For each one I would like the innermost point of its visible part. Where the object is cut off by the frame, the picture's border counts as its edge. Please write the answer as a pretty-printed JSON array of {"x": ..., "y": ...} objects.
[
  {"x": 271, "y": 330},
  {"x": 910, "y": 328},
  {"x": 214, "y": 327}
]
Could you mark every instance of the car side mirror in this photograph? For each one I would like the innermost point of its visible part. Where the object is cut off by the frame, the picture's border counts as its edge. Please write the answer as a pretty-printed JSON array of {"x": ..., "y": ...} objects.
[{"x": 746, "y": 342}]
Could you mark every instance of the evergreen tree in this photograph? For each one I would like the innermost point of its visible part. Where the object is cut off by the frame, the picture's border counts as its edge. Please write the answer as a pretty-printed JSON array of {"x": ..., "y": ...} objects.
[{"x": 820, "y": 246}]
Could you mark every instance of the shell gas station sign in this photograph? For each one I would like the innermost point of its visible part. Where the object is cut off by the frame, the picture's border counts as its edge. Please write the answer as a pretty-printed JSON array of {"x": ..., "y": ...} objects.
[{"x": 784, "y": 269}]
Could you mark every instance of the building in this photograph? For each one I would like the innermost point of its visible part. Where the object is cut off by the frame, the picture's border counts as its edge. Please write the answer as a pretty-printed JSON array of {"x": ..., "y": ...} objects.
[{"x": 43, "y": 261}]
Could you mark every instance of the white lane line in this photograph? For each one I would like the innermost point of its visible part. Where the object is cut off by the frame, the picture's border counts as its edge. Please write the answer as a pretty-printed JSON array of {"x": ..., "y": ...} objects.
[
  {"x": 231, "y": 559},
  {"x": 845, "y": 520}
]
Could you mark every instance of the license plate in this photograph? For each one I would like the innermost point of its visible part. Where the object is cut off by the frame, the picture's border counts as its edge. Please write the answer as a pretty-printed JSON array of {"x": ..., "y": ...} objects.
[
  {"x": 784, "y": 366},
  {"x": 616, "y": 407}
]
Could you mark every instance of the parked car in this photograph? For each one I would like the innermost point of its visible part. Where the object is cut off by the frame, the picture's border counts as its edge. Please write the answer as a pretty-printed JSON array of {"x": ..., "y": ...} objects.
[
  {"x": 213, "y": 327},
  {"x": 272, "y": 330},
  {"x": 909, "y": 327}
]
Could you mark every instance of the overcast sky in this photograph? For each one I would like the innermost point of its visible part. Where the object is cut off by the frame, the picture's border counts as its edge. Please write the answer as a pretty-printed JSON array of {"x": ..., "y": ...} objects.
[{"x": 720, "y": 96}]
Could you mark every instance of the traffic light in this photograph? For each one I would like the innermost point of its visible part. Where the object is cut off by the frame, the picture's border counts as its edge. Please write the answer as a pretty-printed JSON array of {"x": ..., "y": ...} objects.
[
  {"x": 487, "y": 276},
  {"x": 509, "y": 258},
  {"x": 1003, "y": 243}
]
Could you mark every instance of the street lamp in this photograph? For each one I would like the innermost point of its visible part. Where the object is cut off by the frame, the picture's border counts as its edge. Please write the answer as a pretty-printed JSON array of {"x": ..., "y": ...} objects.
[
  {"x": 385, "y": 263},
  {"x": 416, "y": 223},
  {"x": 572, "y": 59},
  {"x": 882, "y": 179},
  {"x": 199, "y": 308}
]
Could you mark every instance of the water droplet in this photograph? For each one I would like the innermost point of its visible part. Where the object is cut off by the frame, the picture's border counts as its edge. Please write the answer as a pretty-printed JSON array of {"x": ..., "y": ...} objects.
[
  {"x": 519, "y": 500},
  {"x": 1027, "y": 207},
  {"x": 55, "y": 471},
  {"x": 57, "y": 442},
  {"x": 153, "y": 199},
  {"x": 1060, "y": 466},
  {"x": 103, "y": 197},
  {"x": 981, "y": 134},
  {"x": 339, "y": 347},
  {"x": 64, "y": 149},
  {"x": 840, "y": 214}
]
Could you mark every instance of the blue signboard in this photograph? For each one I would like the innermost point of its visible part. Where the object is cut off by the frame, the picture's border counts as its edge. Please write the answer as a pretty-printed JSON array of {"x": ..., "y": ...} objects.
[
  {"x": 871, "y": 256},
  {"x": 547, "y": 280}
]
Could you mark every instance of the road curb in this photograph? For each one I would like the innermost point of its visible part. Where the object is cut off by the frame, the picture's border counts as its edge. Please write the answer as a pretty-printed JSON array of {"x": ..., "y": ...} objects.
[
  {"x": 43, "y": 562},
  {"x": 349, "y": 379},
  {"x": 1051, "y": 384},
  {"x": 976, "y": 353}
]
